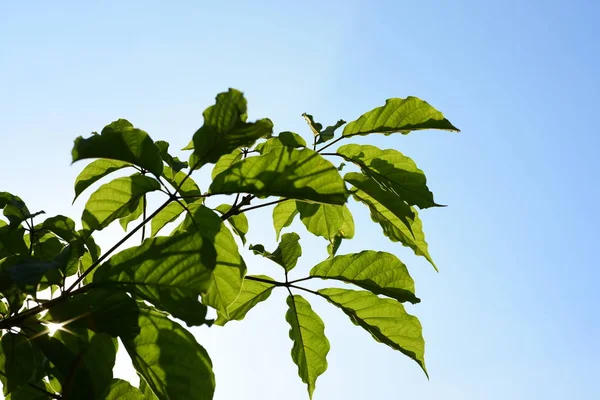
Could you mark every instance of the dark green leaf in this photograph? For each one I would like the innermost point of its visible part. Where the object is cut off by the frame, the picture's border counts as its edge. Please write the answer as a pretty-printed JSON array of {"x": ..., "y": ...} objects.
[
  {"x": 68, "y": 259},
  {"x": 225, "y": 129},
  {"x": 27, "y": 272},
  {"x": 253, "y": 292},
  {"x": 170, "y": 360},
  {"x": 166, "y": 215},
  {"x": 95, "y": 171},
  {"x": 28, "y": 392},
  {"x": 121, "y": 141},
  {"x": 310, "y": 343},
  {"x": 399, "y": 115},
  {"x": 380, "y": 272},
  {"x": 385, "y": 319},
  {"x": 238, "y": 222},
  {"x": 298, "y": 174},
  {"x": 175, "y": 163},
  {"x": 139, "y": 210},
  {"x": 287, "y": 253},
  {"x": 12, "y": 241},
  {"x": 122, "y": 390},
  {"x": 327, "y": 133},
  {"x": 17, "y": 361},
  {"x": 115, "y": 200},
  {"x": 283, "y": 215},
  {"x": 100, "y": 310},
  {"x": 392, "y": 170},
  {"x": 188, "y": 188}
]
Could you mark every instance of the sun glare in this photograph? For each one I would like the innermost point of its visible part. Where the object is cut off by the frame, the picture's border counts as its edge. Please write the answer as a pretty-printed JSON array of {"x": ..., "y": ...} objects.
[{"x": 52, "y": 328}]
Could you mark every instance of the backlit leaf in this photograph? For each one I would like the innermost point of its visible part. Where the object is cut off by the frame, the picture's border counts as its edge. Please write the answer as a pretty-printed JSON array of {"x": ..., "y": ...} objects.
[
  {"x": 393, "y": 170},
  {"x": 283, "y": 215},
  {"x": 17, "y": 361},
  {"x": 287, "y": 252},
  {"x": 326, "y": 220},
  {"x": 285, "y": 172},
  {"x": 385, "y": 319},
  {"x": 139, "y": 210},
  {"x": 310, "y": 343},
  {"x": 380, "y": 272},
  {"x": 284, "y": 139},
  {"x": 225, "y": 129},
  {"x": 62, "y": 226},
  {"x": 122, "y": 390},
  {"x": 226, "y": 161},
  {"x": 166, "y": 215},
  {"x": 252, "y": 293},
  {"x": 115, "y": 200},
  {"x": 175, "y": 163},
  {"x": 169, "y": 359},
  {"x": 239, "y": 222},
  {"x": 187, "y": 187},
  {"x": 121, "y": 141},
  {"x": 95, "y": 171},
  {"x": 399, "y": 115}
]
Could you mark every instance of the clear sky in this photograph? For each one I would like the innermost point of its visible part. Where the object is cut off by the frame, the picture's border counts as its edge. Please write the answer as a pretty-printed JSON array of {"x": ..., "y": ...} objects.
[{"x": 513, "y": 313}]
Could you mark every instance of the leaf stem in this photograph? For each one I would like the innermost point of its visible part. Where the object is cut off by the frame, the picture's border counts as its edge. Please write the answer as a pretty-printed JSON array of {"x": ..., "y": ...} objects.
[
  {"x": 144, "y": 217},
  {"x": 260, "y": 206},
  {"x": 119, "y": 243},
  {"x": 257, "y": 279},
  {"x": 330, "y": 144},
  {"x": 301, "y": 279}
]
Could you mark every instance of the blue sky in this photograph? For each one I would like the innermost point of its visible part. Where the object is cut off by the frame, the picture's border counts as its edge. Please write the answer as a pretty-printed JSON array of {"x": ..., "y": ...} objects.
[{"x": 513, "y": 312}]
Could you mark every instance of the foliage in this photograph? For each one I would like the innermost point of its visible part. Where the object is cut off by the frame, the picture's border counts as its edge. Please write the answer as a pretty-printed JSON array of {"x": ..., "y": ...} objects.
[{"x": 53, "y": 274}]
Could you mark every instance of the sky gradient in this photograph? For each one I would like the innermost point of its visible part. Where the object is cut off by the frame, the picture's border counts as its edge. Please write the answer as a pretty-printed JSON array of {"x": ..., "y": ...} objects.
[{"x": 513, "y": 313}]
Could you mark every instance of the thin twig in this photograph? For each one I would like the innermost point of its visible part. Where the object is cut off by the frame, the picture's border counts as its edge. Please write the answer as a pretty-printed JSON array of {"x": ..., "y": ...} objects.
[
  {"x": 261, "y": 206},
  {"x": 257, "y": 279},
  {"x": 330, "y": 144},
  {"x": 144, "y": 217},
  {"x": 300, "y": 280}
]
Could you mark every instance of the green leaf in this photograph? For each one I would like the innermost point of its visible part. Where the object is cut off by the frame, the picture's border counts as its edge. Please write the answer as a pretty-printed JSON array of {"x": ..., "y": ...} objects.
[
  {"x": 122, "y": 390},
  {"x": 284, "y": 139},
  {"x": 252, "y": 293},
  {"x": 15, "y": 209},
  {"x": 326, "y": 220},
  {"x": 121, "y": 141},
  {"x": 101, "y": 310},
  {"x": 287, "y": 253},
  {"x": 166, "y": 215},
  {"x": 391, "y": 201},
  {"x": 328, "y": 133},
  {"x": 12, "y": 241},
  {"x": 385, "y": 319},
  {"x": 310, "y": 343},
  {"x": 175, "y": 163},
  {"x": 63, "y": 227},
  {"x": 393, "y": 170},
  {"x": 380, "y": 272},
  {"x": 188, "y": 187},
  {"x": 146, "y": 390},
  {"x": 225, "y": 129},
  {"x": 169, "y": 359},
  {"x": 69, "y": 257},
  {"x": 84, "y": 361},
  {"x": 399, "y": 115},
  {"x": 139, "y": 210},
  {"x": 283, "y": 215},
  {"x": 238, "y": 222},
  {"x": 396, "y": 229},
  {"x": 95, "y": 171},
  {"x": 226, "y": 161},
  {"x": 169, "y": 272},
  {"x": 27, "y": 392},
  {"x": 315, "y": 127},
  {"x": 17, "y": 361},
  {"x": 27, "y": 272},
  {"x": 285, "y": 172},
  {"x": 115, "y": 200}
]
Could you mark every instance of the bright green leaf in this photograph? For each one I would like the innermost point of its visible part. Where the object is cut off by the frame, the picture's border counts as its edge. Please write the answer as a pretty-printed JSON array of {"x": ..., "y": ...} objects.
[
  {"x": 284, "y": 139},
  {"x": 385, "y": 319},
  {"x": 175, "y": 163},
  {"x": 380, "y": 272},
  {"x": 238, "y": 222},
  {"x": 283, "y": 215},
  {"x": 115, "y": 200},
  {"x": 326, "y": 220},
  {"x": 169, "y": 359},
  {"x": 122, "y": 390},
  {"x": 121, "y": 141},
  {"x": 287, "y": 252},
  {"x": 187, "y": 187},
  {"x": 225, "y": 129},
  {"x": 286, "y": 172},
  {"x": 392, "y": 170},
  {"x": 226, "y": 161},
  {"x": 399, "y": 115},
  {"x": 139, "y": 210},
  {"x": 95, "y": 171},
  {"x": 310, "y": 343},
  {"x": 166, "y": 215},
  {"x": 253, "y": 292}
]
